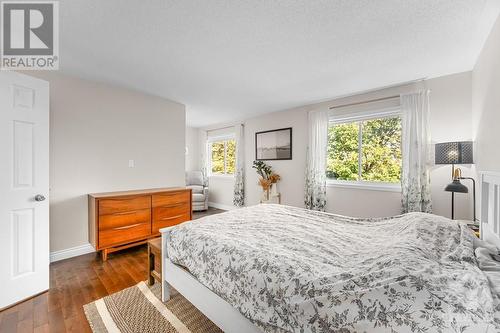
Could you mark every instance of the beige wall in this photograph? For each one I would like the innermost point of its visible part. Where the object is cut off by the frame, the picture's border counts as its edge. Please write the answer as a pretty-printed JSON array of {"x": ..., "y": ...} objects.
[
  {"x": 451, "y": 118},
  {"x": 95, "y": 129},
  {"x": 486, "y": 103}
]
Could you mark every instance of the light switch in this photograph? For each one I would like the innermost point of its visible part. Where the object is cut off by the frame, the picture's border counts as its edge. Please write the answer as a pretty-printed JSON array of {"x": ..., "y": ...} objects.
[{"x": 131, "y": 163}]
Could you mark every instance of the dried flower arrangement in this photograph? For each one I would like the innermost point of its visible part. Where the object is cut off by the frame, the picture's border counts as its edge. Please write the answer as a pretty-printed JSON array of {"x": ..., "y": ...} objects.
[{"x": 267, "y": 176}]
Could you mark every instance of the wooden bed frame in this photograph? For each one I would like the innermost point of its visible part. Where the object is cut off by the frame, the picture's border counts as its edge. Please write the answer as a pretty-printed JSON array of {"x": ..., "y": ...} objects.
[{"x": 231, "y": 320}]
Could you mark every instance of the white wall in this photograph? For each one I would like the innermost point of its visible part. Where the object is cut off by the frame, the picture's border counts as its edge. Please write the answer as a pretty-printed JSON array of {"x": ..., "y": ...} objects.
[
  {"x": 486, "y": 103},
  {"x": 221, "y": 189},
  {"x": 95, "y": 129},
  {"x": 292, "y": 171},
  {"x": 451, "y": 118},
  {"x": 193, "y": 149}
]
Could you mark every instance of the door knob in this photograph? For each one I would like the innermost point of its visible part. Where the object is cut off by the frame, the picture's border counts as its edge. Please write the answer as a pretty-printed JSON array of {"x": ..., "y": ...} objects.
[{"x": 39, "y": 197}]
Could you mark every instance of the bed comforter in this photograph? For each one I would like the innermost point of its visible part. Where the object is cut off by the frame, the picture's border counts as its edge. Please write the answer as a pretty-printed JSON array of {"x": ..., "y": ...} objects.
[{"x": 295, "y": 270}]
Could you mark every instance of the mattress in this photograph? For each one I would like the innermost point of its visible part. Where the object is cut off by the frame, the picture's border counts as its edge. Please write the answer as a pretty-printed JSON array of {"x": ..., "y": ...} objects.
[{"x": 296, "y": 270}]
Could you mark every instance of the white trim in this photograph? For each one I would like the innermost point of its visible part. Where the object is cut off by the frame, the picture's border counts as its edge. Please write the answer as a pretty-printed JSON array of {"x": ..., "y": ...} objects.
[
  {"x": 365, "y": 115},
  {"x": 228, "y": 176},
  {"x": 221, "y": 206},
  {"x": 223, "y": 137},
  {"x": 490, "y": 207},
  {"x": 71, "y": 252},
  {"x": 371, "y": 186}
]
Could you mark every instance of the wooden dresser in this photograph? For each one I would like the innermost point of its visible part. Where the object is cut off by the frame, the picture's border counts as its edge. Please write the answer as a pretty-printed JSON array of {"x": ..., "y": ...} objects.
[{"x": 118, "y": 220}]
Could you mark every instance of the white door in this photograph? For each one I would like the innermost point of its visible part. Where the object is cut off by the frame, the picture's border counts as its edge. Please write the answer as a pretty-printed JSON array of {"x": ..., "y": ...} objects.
[{"x": 24, "y": 187}]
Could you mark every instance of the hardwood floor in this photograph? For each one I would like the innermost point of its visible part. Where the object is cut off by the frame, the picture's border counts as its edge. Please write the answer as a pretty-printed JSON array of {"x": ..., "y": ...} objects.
[{"x": 75, "y": 282}]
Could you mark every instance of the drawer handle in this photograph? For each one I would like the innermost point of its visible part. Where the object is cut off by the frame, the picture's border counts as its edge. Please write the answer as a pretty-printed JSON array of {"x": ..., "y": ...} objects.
[
  {"x": 127, "y": 226},
  {"x": 125, "y": 213},
  {"x": 168, "y": 194},
  {"x": 171, "y": 217},
  {"x": 123, "y": 199},
  {"x": 175, "y": 204}
]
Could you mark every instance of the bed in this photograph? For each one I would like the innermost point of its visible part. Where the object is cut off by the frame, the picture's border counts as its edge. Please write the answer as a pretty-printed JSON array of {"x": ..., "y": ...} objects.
[{"x": 275, "y": 268}]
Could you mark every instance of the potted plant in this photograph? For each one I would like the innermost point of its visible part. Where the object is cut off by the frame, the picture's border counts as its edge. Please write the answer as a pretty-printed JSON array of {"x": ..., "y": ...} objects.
[{"x": 267, "y": 180}]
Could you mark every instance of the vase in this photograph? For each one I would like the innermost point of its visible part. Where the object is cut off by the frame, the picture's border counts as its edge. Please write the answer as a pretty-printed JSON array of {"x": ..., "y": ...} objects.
[
  {"x": 265, "y": 195},
  {"x": 274, "y": 190}
]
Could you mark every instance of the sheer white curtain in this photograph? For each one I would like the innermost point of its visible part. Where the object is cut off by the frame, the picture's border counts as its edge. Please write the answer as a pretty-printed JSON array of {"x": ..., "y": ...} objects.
[
  {"x": 204, "y": 155},
  {"x": 239, "y": 174},
  {"x": 315, "y": 187},
  {"x": 415, "y": 180}
]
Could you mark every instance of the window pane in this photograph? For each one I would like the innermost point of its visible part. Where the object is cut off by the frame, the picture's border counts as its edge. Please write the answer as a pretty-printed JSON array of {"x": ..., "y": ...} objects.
[
  {"x": 217, "y": 157},
  {"x": 381, "y": 150},
  {"x": 342, "y": 160},
  {"x": 230, "y": 156}
]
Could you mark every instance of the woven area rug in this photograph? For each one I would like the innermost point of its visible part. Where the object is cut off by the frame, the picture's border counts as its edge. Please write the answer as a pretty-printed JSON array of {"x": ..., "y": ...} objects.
[{"x": 138, "y": 309}]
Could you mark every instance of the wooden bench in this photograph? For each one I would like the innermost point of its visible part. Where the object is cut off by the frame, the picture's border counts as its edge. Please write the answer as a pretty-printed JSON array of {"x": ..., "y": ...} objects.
[{"x": 154, "y": 260}]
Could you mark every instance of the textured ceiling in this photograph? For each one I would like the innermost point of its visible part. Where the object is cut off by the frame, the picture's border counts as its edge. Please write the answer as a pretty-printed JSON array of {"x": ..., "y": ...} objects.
[{"x": 228, "y": 60}]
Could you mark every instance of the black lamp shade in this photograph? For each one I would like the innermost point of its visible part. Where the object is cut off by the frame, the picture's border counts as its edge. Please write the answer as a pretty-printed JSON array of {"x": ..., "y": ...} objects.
[
  {"x": 454, "y": 153},
  {"x": 456, "y": 186}
]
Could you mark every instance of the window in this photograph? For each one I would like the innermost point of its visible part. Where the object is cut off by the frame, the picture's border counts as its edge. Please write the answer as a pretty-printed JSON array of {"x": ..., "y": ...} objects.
[
  {"x": 222, "y": 156},
  {"x": 365, "y": 150}
]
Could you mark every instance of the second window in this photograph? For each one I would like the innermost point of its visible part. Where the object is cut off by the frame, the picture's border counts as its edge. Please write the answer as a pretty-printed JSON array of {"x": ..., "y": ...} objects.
[{"x": 222, "y": 157}]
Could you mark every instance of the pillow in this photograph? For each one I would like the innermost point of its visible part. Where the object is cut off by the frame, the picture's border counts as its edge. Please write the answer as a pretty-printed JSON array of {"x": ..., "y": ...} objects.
[
  {"x": 485, "y": 261},
  {"x": 481, "y": 243}
]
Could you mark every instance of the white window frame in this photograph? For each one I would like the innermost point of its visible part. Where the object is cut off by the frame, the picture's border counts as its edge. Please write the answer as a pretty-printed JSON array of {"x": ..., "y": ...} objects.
[
  {"x": 211, "y": 140},
  {"x": 359, "y": 117}
]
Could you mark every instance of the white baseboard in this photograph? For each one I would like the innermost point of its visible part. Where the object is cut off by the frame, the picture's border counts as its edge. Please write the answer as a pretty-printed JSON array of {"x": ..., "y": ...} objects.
[
  {"x": 221, "y": 206},
  {"x": 71, "y": 252}
]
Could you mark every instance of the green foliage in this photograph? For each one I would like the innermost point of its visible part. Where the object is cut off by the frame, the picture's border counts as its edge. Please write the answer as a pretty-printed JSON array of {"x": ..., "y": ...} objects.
[
  {"x": 262, "y": 168},
  {"x": 223, "y": 157},
  {"x": 218, "y": 157},
  {"x": 343, "y": 151},
  {"x": 380, "y": 150}
]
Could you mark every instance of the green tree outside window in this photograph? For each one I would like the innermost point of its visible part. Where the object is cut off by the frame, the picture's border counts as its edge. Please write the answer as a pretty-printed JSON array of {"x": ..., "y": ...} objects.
[
  {"x": 223, "y": 157},
  {"x": 380, "y": 147}
]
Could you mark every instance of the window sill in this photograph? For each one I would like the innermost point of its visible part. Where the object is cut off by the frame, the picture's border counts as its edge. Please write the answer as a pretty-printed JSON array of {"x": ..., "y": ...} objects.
[
  {"x": 229, "y": 177},
  {"x": 371, "y": 186}
]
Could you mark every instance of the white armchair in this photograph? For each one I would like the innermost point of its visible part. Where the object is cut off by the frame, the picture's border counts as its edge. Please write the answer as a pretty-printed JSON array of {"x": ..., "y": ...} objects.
[{"x": 197, "y": 183}]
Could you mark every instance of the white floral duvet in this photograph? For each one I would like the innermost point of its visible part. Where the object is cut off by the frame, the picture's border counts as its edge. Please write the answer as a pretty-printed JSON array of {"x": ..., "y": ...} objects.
[{"x": 295, "y": 270}]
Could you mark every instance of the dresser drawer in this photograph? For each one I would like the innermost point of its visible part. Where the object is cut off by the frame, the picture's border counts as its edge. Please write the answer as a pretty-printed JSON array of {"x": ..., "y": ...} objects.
[
  {"x": 111, "y": 206},
  {"x": 166, "y": 199},
  {"x": 169, "y": 221},
  {"x": 124, "y": 234},
  {"x": 167, "y": 216},
  {"x": 166, "y": 212},
  {"x": 122, "y": 219}
]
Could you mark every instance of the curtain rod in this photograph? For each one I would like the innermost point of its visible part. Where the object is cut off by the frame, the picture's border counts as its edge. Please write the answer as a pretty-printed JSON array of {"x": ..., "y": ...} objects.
[{"x": 364, "y": 102}]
